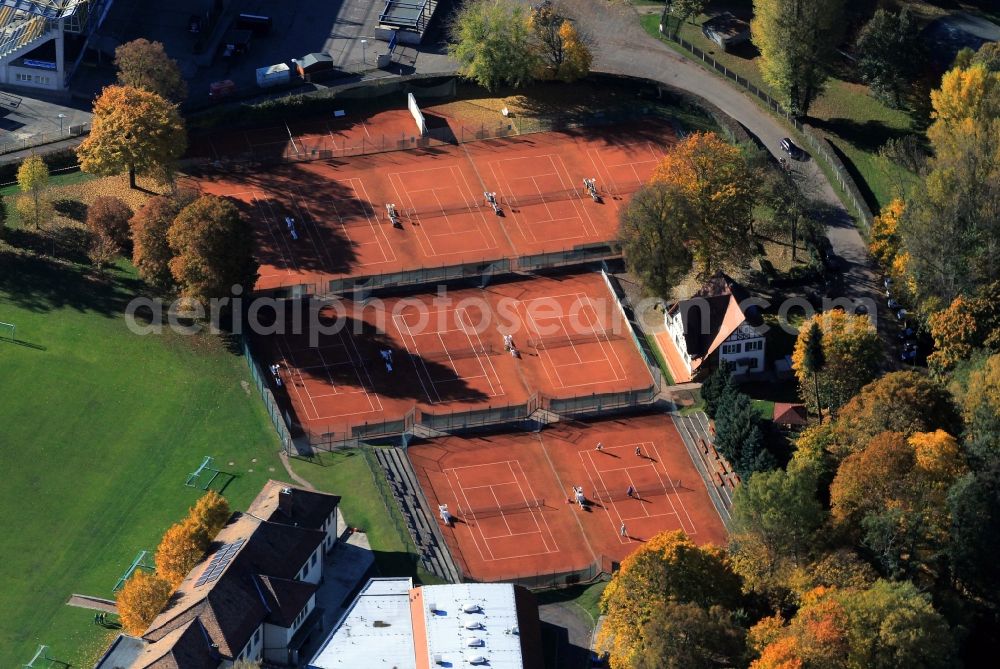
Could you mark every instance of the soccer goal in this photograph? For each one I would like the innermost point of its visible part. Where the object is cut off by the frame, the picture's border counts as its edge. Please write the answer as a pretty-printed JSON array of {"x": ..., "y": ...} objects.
[
  {"x": 41, "y": 660},
  {"x": 205, "y": 472},
  {"x": 8, "y": 331},
  {"x": 144, "y": 560}
]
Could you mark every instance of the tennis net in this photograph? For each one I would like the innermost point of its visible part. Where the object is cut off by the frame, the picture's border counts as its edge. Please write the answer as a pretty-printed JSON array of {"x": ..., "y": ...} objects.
[
  {"x": 641, "y": 491},
  {"x": 466, "y": 350},
  {"x": 571, "y": 339},
  {"x": 439, "y": 209},
  {"x": 516, "y": 201},
  {"x": 475, "y": 513}
]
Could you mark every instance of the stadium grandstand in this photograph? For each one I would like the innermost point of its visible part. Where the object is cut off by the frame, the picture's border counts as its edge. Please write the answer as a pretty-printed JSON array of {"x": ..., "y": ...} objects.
[{"x": 43, "y": 41}]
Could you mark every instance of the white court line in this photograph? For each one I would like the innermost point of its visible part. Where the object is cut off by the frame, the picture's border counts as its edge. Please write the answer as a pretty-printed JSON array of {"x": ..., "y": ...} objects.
[
  {"x": 376, "y": 228},
  {"x": 404, "y": 332},
  {"x": 590, "y": 475},
  {"x": 472, "y": 528},
  {"x": 286, "y": 255},
  {"x": 659, "y": 460},
  {"x": 534, "y": 511},
  {"x": 579, "y": 203},
  {"x": 502, "y": 515},
  {"x": 302, "y": 381}
]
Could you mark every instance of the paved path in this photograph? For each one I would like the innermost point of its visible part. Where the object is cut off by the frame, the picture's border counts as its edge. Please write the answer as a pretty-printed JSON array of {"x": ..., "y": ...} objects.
[
  {"x": 623, "y": 47},
  {"x": 93, "y": 603},
  {"x": 571, "y": 631}
]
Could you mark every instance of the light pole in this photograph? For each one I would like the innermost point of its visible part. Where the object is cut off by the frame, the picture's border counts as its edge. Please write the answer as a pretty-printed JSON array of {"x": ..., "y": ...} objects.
[
  {"x": 364, "y": 51},
  {"x": 61, "y": 118}
]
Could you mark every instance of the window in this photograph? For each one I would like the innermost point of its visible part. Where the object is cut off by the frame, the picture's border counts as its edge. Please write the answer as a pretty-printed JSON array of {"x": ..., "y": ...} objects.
[
  {"x": 41, "y": 80},
  {"x": 728, "y": 349},
  {"x": 256, "y": 637},
  {"x": 313, "y": 561},
  {"x": 754, "y": 345},
  {"x": 22, "y": 77}
]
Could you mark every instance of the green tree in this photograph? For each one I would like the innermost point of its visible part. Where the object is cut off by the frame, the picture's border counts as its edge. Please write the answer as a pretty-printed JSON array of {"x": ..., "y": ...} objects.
[
  {"x": 213, "y": 249},
  {"x": 146, "y": 65},
  {"x": 667, "y": 569},
  {"x": 906, "y": 402},
  {"x": 988, "y": 56},
  {"x": 715, "y": 387},
  {"x": 813, "y": 359},
  {"x": 775, "y": 517},
  {"x": 796, "y": 39},
  {"x": 889, "y": 54},
  {"x": 133, "y": 131},
  {"x": 892, "y": 624},
  {"x": 738, "y": 435},
  {"x": 852, "y": 357},
  {"x": 688, "y": 636},
  {"x": 32, "y": 180},
  {"x": 682, "y": 10},
  {"x": 492, "y": 42},
  {"x": 974, "y": 506},
  {"x": 652, "y": 237}
]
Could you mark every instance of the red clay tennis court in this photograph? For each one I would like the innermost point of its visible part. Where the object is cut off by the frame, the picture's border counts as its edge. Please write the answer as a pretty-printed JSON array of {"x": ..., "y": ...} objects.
[
  {"x": 339, "y": 206},
  {"x": 511, "y": 495},
  {"x": 354, "y": 363}
]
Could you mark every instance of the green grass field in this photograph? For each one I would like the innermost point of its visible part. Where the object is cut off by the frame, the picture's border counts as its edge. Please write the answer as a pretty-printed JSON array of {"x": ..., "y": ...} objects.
[{"x": 99, "y": 430}]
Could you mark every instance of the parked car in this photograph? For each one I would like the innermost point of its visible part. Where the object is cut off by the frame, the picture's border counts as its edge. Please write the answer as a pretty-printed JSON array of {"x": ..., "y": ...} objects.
[{"x": 793, "y": 151}]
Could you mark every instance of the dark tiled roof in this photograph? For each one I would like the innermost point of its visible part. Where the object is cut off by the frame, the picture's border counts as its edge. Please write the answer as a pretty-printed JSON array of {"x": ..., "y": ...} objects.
[
  {"x": 285, "y": 598},
  {"x": 233, "y": 605},
  {"x": 187, "y": 647},
  {"x": 302, "y": 507}
]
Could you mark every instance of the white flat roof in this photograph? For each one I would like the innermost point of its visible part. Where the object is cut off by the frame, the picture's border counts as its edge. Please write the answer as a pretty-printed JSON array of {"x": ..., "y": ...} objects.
[
  {"x": 495, "y": 639},
  {"x": 377, "y": 625},
  {"x": 471, "y": 624}
]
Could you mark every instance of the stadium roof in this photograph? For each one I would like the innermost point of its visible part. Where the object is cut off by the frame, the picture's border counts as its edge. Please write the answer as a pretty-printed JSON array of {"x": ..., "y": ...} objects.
[{"x": 50, "y": 9}]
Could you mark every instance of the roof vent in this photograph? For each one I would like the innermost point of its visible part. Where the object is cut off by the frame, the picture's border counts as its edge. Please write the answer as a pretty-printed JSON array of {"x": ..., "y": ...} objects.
[
  {"x": 471, "y": 624},
  {"x": 472, "y": 607},
  {"x": 476, "y": 659},
  {"x": 286, "y": 491},
  {"x": 432, "y": 607},
  {"x": 438, "y": 659},
  {"x": 512, "y": 630},
  {"x": 474, "y": 642}
]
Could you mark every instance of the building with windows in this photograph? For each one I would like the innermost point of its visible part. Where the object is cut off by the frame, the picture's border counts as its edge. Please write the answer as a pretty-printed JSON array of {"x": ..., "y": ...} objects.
[
  {"x": 720, "y": 323},
  {"x": 253, "y": 596},
  {"x": 43, "y": 41},
  {"x": 393, "y": 624}
]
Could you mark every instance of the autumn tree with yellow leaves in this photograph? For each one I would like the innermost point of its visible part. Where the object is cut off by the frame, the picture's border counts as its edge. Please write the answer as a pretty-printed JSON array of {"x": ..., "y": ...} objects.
[
  {"x": 696, "y": 212},
  {"x": 562, "y": 51},
  {"x": 140, "y": 600},
  {"x": 182, "y": 547},
  {"x": 133, "y": 131},
  {"x": 33, "y": 206},
  {"x": 885, "y": 626},
  {"x": 211, "y": 510},
  {"x": 949, "y": 228},
  {"x": 852, "y": 357},
  {"x": 666, "y": 571}
]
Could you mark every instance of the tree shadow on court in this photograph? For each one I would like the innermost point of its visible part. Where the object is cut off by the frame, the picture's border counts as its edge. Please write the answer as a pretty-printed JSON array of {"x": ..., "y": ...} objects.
[
  {"x": 41, "y": 284},
  {"x": 324, "y": 211},
  {"x": 335, "y": 347}
]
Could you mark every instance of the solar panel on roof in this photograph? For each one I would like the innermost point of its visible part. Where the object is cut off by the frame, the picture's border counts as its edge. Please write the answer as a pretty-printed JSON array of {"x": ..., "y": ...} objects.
[{"x": 219, "y": 562}]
